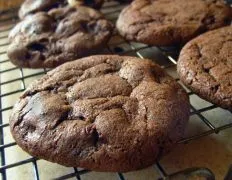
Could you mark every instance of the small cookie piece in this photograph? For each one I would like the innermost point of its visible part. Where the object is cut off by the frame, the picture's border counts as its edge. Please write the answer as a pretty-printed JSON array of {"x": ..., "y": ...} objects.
[
  {"x": 103, "y": 113},
  {"x": 205, "y": 66},
  {"x": 33, "y": 6},
  {"x": 169, "y": 22},
  {"x": 60, "y": 35}
]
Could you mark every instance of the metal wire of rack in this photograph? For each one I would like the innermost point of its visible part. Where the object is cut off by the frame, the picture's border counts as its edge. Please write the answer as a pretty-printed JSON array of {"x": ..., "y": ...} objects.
[{"x": 166, "y": 57}]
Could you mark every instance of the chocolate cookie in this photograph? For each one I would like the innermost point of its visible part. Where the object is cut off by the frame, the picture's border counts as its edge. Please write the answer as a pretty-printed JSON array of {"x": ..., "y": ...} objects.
[
  {"x": 104, "y": 113},
  {"x": 124, "y": 1},
  {"x": 60, "y": 35},
  {"x": 33, "y": 6},
  {"x": 168, "y": 22},
  {"x": 121, "y": 1},
  {"x": 92, "y": 3},
  {"x": 205, "y": 66}
]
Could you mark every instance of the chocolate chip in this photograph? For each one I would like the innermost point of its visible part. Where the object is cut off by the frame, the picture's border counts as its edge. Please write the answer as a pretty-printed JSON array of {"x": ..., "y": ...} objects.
[{"x": 37, "y": 47}]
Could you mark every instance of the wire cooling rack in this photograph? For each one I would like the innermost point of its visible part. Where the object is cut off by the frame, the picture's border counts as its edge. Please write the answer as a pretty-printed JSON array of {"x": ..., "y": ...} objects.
[{"x": 14, "y": 81}]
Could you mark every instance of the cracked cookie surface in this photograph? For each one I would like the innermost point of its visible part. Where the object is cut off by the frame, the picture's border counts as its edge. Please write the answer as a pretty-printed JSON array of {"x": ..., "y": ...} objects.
[
  {"x": 169, "y": 22},
  {"x": 60, "y": 35},
  {"x": 104, "y": 113},
  {"x": 33, "y": 6},
  {"x": 205, "y": 66}
]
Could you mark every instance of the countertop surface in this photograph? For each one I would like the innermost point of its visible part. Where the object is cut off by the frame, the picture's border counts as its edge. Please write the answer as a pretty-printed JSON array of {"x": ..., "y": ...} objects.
[{"x": 213, "y": 151}]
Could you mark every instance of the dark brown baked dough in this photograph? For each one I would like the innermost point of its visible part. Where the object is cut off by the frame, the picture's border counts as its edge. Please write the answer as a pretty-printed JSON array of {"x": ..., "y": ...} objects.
[
  {"x": 60, "y": 35},
  {"x": 104, "y": 113},
  {"x": 205, "y": 66},
  {"x": 33, "y": 6},
  {"x": 92, "y": 3},
  {"x": 124, "y": 1},
  {"x": 168, "y": 22}
]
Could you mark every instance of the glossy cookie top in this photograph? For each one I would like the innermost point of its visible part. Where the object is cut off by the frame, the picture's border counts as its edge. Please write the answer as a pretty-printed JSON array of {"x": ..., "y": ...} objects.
[{"x": 33, "y": 6}]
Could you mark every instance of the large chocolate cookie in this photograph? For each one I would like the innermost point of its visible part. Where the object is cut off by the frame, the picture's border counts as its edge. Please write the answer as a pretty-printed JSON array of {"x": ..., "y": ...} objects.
[
  {"x": 60, "y": 35},
  {"x": 104, "y": 113},
  {"x": 205, "y": 66},
  {"x": 168, "y": 22},
  {"x": 33, "y": 6}
]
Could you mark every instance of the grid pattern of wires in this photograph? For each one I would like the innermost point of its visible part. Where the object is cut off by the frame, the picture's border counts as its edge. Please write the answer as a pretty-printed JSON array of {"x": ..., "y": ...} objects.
[{"x": 166, "y": 57}]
